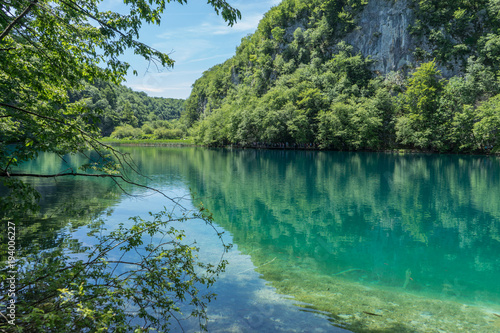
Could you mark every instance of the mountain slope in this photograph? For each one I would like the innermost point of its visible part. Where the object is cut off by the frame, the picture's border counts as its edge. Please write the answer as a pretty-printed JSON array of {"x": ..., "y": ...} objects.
[{"x": 358, "y": 74}]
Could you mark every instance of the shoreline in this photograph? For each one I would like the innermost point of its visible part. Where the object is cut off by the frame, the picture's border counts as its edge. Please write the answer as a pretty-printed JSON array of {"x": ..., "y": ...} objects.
[{"x": 306, "y": 147}]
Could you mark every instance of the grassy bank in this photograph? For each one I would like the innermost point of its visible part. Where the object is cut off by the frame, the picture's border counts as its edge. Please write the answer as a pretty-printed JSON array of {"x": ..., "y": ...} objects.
[
  {"x": 150, "y": 142},
  {"x": 190, "y": 142}
]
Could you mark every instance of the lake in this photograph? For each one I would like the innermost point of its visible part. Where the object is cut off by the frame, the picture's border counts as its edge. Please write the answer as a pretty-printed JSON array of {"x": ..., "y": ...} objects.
[{"x": 370, "y": 242}]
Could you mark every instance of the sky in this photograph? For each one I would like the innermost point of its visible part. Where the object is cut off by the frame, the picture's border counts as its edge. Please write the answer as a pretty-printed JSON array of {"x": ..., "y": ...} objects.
[{"x": 195, "y": 37}]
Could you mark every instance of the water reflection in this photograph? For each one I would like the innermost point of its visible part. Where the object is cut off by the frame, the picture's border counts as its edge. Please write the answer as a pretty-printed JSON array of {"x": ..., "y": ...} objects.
[
  {"x": 66, "y": 203},
  {"x": 245, "y": 302},
  {"x": 423, "y": 225},
  {"x": 381, "y": 242}
]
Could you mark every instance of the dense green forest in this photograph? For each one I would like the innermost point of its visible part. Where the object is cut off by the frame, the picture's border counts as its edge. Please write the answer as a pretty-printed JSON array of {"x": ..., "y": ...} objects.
[
  {"x": 123, "y": 113},
  {"x": 295, "y": 80}
]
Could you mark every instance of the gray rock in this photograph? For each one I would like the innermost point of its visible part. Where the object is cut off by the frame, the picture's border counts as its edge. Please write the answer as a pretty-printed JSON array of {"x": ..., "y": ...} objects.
[{"x": 383, "y": 34}]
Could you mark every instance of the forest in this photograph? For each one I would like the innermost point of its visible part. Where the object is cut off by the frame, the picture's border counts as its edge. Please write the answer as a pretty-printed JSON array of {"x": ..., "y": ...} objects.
[
  {"x": 126, "y": 114},
  {"x": 296, "y": 81}
]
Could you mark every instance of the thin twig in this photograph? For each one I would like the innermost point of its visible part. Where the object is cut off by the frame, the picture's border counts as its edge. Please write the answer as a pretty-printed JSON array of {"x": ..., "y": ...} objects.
[{"x": 17, "y": 19}]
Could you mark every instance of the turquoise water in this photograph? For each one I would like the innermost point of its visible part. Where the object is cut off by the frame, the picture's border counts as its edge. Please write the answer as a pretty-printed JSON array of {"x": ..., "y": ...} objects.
[
  {"x": 376, "y": 242},
  {"x": 414, "y": 239}
]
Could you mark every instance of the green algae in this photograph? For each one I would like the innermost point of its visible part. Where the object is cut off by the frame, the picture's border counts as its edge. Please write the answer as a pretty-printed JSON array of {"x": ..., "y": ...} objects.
[{"x": 374, "y": 308}]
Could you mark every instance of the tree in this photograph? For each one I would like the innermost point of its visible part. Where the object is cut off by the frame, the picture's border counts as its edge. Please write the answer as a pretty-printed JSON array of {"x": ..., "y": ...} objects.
[
  {"x": 420, "y": 120},
  {"x": 48, "y": 48},
  {"x": 335, "y": 128},
  {"x": 455, "y": 105},
  {"x": 486, "y": 130}
]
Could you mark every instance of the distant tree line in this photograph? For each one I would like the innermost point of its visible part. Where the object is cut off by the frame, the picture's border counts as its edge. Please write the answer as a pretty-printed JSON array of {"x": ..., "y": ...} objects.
[{"x": 123, "y": 113}]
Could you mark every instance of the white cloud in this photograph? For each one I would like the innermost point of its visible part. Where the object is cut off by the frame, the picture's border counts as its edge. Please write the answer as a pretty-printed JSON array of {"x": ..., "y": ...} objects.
[
  {"x": 169, "y": 73},
  {"x": 197, "y": 39},
  {"x": 177, "y": 90},
  {"x": 218, "y": 56},
  {"x": 185, "y": 48},
  {"x": 146, "y": 88},
  {"x": 213, "y": 27},
  {"x": 247, "y": 24},
  {"x": 256, "y": 5}
]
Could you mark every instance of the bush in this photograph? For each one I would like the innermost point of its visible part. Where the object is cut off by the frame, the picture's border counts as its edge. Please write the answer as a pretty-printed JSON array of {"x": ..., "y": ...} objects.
[
  {"x": 147, "y": 129},
  {"x": 167, "y": 133},
  {"x": 127, "y": 132}
]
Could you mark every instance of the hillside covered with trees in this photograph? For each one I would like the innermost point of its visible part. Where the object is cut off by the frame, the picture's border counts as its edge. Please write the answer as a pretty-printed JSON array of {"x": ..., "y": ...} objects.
[
  {"x": 301, "y": 78},
  {"x": 124, "y": 113}
]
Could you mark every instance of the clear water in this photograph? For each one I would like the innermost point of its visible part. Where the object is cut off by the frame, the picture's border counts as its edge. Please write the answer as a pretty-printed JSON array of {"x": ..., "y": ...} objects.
[
  {"x": 378, "y": 242},
  {"x": 414, "y": 239}
]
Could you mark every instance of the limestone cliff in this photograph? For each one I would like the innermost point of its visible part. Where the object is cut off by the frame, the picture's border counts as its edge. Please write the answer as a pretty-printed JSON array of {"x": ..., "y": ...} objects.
[
  {"x": 299, "y": 42},
  {"x": 447, "y": 33},
  {"x": 382, "y": 33}
]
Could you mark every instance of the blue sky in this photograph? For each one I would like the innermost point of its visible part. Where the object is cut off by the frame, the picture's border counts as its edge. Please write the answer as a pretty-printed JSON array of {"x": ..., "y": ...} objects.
[{"x": 195, "y": 37}]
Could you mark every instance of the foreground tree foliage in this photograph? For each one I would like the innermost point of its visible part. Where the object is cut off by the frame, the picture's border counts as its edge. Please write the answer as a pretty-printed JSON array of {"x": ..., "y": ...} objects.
[
  {"x": 47, "y": 49},
  {"x": 152, "y": 285}
]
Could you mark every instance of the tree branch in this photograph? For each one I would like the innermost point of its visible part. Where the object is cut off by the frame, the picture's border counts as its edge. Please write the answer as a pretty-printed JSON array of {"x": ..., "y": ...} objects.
[
  {"x": 75, "y": 6},
  {"x": 8, "y": 164},
  {"x": 17, "y": 19},
  {"x": 91, "y": 141},
  {"x": 36, "y": 175},
  {"x": 114, "y": 177},
  {"x": 32, "y": 113}
]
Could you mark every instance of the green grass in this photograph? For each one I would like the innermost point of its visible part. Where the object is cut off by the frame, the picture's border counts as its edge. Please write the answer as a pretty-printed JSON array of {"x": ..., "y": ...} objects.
[{"x": 170, "y": 142}]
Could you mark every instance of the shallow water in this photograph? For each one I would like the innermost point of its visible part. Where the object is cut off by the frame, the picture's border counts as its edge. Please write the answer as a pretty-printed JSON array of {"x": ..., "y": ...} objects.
[
  {"x": 376, "y": 242},
  {"x": 245, "y": 302}
]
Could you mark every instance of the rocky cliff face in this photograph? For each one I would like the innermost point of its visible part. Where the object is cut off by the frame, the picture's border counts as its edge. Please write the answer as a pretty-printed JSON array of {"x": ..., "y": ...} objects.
[{"x": 383, "y": 34}]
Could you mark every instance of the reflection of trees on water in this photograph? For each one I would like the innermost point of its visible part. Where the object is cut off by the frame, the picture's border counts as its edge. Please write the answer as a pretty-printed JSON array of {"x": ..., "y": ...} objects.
[
  {"x": 64, "y": 203},
  {"x": 382, "y": 213},
  {"x": 326, "y": 211}
]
